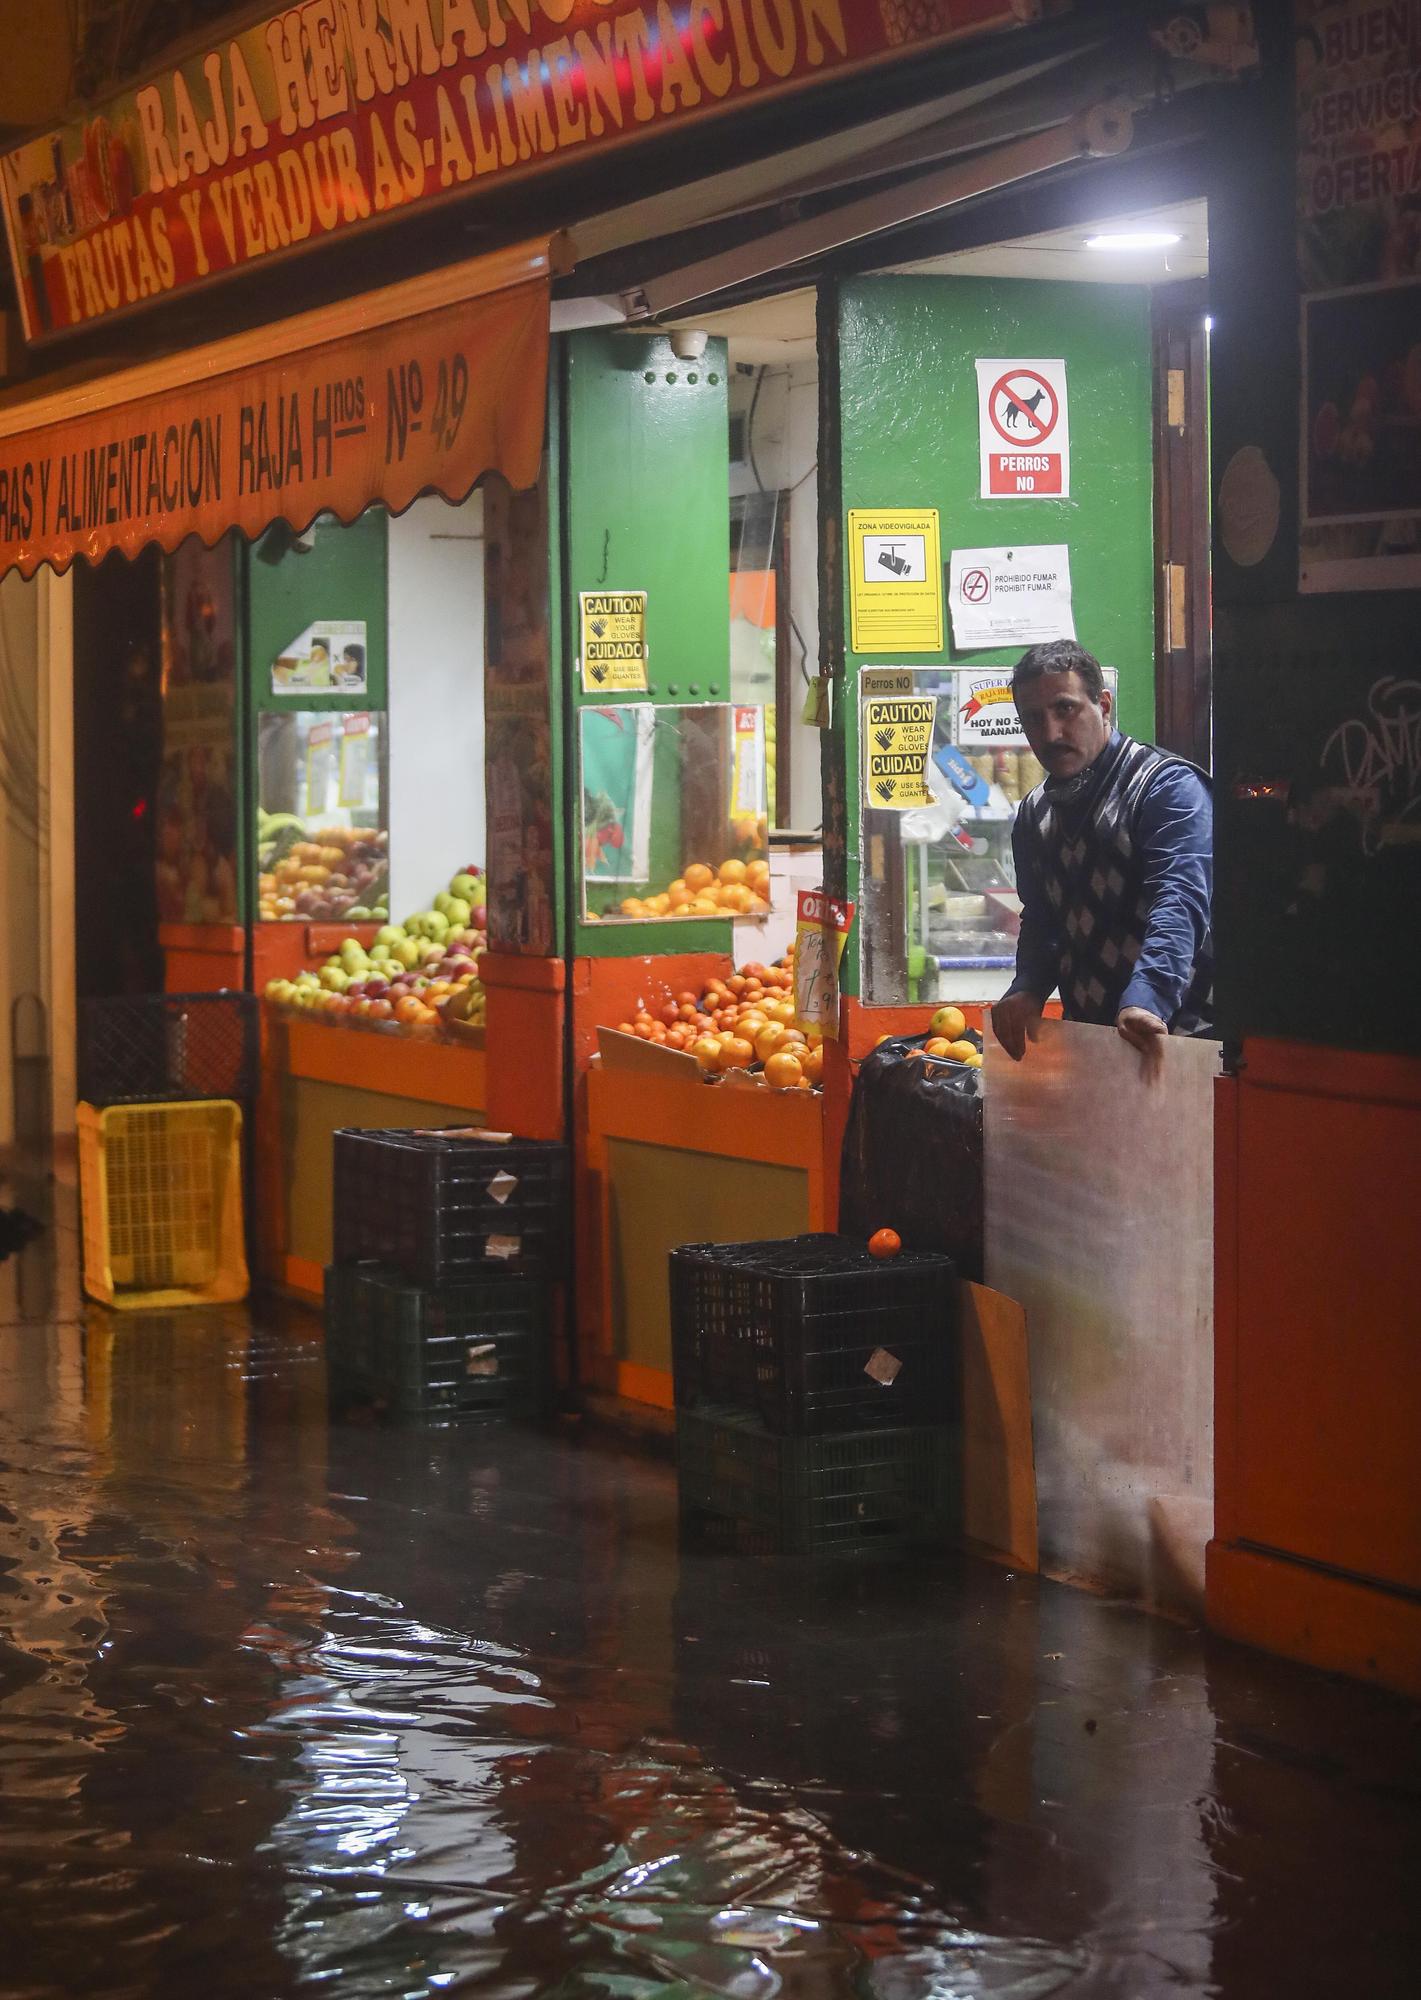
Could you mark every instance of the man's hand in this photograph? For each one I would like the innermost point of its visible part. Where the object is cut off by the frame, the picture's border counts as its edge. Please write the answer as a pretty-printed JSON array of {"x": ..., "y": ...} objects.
[
  {"x": 1143, "y": 1031},
  {"x": 1014, "y": 1022}
]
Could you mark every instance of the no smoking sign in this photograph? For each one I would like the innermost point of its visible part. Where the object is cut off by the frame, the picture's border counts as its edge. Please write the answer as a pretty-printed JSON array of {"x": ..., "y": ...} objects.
[
  {"x": 1023, "y": 430},
  {"x": 976, "y": 586}
]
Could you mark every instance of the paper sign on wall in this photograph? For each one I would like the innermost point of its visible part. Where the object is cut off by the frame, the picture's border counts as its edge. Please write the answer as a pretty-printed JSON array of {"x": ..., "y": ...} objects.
[
  {"x": 1023, "y": 430},
  {"x": 1015, "y": 596},
  {"x": 613, "y": 641},
  {"x": 895, "y": 580},
  {"x": 897, "y": 733},
  {"x": 821, "y": 932}
]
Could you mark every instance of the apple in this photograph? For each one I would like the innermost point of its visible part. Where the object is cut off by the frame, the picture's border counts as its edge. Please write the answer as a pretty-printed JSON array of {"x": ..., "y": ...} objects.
[
  {"x": 457, "y": 909},
  {"x": 389, "y": 934},
  {"x": 334, "y": 980},
  {"x": 406, "y": 952},
  {"x": 463, "y": 886}
]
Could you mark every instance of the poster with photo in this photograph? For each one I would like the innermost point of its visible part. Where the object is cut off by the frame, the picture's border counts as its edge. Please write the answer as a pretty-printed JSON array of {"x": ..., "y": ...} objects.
[
  {"x": 329, "y": 657},
  {"x": 1358, "y": 98}
]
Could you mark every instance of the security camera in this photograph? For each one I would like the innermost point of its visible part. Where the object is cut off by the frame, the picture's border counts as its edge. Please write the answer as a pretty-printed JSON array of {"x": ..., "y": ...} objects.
[{"x": 689, "y": 343}]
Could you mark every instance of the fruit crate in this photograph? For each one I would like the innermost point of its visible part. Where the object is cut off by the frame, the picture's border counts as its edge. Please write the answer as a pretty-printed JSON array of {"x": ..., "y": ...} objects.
[
  {"x": 453, "y": 1355},
  {"x": 440, "y": 1206},
  {"x": 814, "y": 1335},
  {"x": 854, "y": 1493},
  {"x": 168, "y": 1047},
  {"x": 161, "y": 1200}
]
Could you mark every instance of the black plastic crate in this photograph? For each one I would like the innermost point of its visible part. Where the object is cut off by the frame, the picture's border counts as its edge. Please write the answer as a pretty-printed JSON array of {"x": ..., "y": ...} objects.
[
  {"x": 814, "y": 1335},
  {"x": 443, "y": 1206},
  {"x": 161, "y": 1048},
  {"x": 461, "y": 1353},
  {"x": 855, "y": 1493}
]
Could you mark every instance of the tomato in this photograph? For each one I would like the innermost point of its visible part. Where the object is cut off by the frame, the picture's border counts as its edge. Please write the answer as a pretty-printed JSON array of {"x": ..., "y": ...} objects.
[{"x": 884, "y": 1243}]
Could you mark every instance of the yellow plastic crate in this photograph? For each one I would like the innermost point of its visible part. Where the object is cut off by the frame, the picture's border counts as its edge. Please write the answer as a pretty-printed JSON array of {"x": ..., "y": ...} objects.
[{"x": 161, "y": 1190}]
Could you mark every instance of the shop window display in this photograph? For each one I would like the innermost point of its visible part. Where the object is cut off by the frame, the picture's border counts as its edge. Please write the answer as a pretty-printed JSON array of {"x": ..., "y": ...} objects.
[
  {"x": 321, "y": 835},
  {"x": 673, "y": 812}
]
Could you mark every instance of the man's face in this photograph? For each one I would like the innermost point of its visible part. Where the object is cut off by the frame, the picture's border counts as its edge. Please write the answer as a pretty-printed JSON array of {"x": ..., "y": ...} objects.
[{"x": 1065, "y": 728}]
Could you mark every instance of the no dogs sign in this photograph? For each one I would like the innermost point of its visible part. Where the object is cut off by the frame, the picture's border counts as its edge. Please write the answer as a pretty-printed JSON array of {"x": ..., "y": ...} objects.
[{"x": 1023, "y": 430}]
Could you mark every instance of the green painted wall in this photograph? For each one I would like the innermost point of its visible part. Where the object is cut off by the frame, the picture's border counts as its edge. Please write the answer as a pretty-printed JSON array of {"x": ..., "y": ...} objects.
[
  {"x": 645, "y": 461},
  {"x": 342, "y": 576},
  {"x": 908, "y": 415}
]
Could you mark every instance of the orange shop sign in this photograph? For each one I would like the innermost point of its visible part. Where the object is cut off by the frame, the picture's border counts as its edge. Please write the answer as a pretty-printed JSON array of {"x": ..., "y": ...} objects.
[
  {"x": 333, "y": 114},
  {"x": 424, "y": 386}
]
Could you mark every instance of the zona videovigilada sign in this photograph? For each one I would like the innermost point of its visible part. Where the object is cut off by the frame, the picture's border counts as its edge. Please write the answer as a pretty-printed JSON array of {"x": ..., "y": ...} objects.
[{"x": 332, "y": 114}]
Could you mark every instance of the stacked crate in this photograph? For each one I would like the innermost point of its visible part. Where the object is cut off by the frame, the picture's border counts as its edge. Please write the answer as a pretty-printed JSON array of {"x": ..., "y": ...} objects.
[
  {"x": 817, "y": 1395},
  {"x": 448, "y": 1247}
]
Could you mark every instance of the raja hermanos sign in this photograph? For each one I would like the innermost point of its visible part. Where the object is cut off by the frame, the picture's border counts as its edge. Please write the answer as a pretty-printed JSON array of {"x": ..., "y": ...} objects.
[{"x": 331, "y": 114}]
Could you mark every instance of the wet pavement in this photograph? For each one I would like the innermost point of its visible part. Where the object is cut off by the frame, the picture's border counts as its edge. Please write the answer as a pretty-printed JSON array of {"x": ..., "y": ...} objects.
[{"x": 290, "y": 1706}]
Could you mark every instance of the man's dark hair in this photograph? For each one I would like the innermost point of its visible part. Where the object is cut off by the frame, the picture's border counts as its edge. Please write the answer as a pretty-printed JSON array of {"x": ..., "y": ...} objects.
[{"x": 1060, "y": 656}]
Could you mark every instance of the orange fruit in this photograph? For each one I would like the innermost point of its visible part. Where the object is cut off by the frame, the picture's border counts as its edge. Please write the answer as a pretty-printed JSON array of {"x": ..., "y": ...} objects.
[
  {"x": 948, "y": 1021},
  {"x": 782, "y": 1011},
  {"x": 705, "y": 906},
  {"x": 938, "y": 1046},
  {"x": 783, "y": 1071},
  {"x": 625, "y": 1028},
  {"x": 974, "y": 1061},
  {"x": 769, "y": 1039},
  {"x": 757, "y": 873},
  {"x": 959, "y": 1051},
  {"x": 698, "y": 877},
  {"x": 884, "y": 1243},
  {"x": 811, "y": 1061},
  {"x": 732, "y": 871},
  {"x": 737, "y": 1053},
  {"x": 706, "y": 1050},
  {"x": 633, "y": 907}
]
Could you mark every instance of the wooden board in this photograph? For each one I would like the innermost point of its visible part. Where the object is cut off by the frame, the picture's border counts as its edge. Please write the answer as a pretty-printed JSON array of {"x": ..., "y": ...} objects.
[
  {"x": 620, "y": 1051},
  {"x": 998, "y": 1459}
]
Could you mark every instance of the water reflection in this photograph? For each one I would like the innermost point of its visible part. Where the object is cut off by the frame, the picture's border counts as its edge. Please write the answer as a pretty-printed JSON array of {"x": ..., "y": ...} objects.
[{"x": 377, "y": 1711}]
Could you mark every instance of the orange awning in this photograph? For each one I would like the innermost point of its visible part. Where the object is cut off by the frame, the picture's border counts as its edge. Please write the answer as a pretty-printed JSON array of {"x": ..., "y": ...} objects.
[{"x": 422, "y": 386}]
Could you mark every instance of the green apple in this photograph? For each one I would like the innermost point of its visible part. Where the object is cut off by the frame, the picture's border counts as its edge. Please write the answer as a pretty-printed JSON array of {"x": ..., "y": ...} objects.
[
  {"x": 407, "y": 953},
  {"x": 334, "y": 980},
  {"x": 463, "y": 886},
  {"x": 381, "y": 954},
  {"x": 390, "y": 934},
  {"x": 442, "y": 902},
  {"x": 458, "y": 910}
]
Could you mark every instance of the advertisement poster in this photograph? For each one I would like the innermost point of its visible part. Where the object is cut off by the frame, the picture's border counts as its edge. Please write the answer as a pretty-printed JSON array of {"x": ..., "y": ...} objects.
[
  {"x": 328, "y": 657},
  {"x": 897, "y": 733},
  {"x": 612, "y": 644},
  {"x": 986, "y": 717},
  {"x": 1023, "y": 430},
  {"x": 895, "y": 580},
  {"x": 199, "y": 782},
  {"x": 617, "y": 746},
  {"x": 1016, "y": 596},
  {"x": 1358, "y": 83}
]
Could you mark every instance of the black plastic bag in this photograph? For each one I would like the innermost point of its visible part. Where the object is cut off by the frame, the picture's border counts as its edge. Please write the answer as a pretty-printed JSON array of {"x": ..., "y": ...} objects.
[{"x": 912, "y": 1158}]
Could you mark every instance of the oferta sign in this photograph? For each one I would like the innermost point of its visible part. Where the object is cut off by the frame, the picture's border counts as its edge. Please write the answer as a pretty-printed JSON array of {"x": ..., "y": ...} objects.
[{"x": 334, "y": 114}]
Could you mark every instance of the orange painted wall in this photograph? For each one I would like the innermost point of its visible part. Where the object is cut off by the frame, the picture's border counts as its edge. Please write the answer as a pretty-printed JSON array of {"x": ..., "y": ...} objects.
[{"x": 1318, "y": 1359}]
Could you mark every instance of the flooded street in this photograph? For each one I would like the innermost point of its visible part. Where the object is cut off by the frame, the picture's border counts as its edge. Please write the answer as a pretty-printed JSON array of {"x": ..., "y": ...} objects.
[{"x": 287, "y": 1705}]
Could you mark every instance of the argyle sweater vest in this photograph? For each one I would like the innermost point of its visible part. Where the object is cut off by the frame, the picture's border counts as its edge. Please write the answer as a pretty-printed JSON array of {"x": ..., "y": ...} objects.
[{"x": 1090, "y": 870}]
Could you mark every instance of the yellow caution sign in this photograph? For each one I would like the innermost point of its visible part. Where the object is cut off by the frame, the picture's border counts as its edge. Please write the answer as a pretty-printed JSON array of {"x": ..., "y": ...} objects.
[
  {"x": 613, "y": 634},
  {"x": 897, "y": 736}
]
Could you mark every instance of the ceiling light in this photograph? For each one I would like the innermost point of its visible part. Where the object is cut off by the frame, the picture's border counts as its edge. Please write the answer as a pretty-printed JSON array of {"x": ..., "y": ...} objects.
[{"x": 1132, "y": 239}]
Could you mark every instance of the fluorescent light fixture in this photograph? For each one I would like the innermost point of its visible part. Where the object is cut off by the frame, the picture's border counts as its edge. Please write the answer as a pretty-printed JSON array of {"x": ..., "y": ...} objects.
[{"x": 1132, "y": 239}]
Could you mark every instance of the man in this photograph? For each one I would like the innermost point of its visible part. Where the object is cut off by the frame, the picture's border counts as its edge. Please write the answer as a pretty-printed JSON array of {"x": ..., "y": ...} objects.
[{"x": 1114, "y": 867}]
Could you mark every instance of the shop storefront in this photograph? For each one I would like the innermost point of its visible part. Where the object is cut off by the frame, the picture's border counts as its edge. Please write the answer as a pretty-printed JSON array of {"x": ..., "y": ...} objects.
[{"x": 515, "y": 687}]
